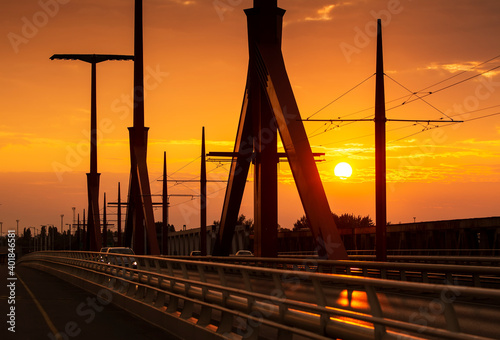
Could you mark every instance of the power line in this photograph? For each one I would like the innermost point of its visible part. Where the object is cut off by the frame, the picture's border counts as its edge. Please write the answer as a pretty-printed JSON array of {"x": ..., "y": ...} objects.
[
  {"x": 342, "y": 95},
  {"x": 446, "y": 87},
  {"x": 460, "y": 73},
  {"x": 327, "y": 129},
  {"x": 407, "y": 126},
  {"x": 435, "y": 127},
  {"x": 416, "y": 94}
]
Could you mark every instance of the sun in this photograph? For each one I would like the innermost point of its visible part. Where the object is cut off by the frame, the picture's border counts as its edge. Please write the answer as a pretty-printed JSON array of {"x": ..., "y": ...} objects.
[{"x": 343, "y": 170}]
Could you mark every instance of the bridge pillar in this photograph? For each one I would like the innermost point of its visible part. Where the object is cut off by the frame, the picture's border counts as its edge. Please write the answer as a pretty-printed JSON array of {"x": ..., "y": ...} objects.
[{"x": 268, "y": 107}]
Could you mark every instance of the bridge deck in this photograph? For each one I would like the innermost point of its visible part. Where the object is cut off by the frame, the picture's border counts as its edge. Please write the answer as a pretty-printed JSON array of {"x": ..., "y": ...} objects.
[{"x": 68, "y": 309}]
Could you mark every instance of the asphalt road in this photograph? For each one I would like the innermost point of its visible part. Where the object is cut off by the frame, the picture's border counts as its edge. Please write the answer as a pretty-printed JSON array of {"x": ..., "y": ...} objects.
[{"x": 45, "y": 305}]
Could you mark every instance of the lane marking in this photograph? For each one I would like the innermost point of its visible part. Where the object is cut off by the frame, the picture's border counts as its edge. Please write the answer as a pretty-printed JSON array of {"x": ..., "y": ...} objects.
[{"x": 42, "y": 311}]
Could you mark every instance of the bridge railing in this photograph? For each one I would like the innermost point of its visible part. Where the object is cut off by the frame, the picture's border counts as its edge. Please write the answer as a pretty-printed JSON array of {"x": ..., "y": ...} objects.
[
  {"x": 471, "y": 275},
  {"x": 244, "y": 302},
  {"x": 431, "y": 252}
]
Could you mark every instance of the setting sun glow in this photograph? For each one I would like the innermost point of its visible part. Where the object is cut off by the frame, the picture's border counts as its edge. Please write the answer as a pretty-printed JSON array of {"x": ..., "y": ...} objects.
[
  {"x": 343, "y": 170},
  {"x": 195, "y": 69}
]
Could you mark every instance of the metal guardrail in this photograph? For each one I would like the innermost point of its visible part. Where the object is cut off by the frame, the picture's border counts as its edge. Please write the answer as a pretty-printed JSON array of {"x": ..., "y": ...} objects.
[
  {"x": 242, "y": 302},
  {"x": 459, "y": 260},
  {"x": 476, "y": 276},
  {"x": 429, "y": 252},
  {"x": 419, "y": 252}
]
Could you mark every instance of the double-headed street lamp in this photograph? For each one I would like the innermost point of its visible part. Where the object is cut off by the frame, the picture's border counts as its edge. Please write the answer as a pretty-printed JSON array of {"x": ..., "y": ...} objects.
[{"x": 94, "y": 229}]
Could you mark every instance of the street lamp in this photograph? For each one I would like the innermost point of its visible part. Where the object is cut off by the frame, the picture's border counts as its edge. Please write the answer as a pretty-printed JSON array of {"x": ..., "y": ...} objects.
[
  {"x": 69, "y": 234},
  {"x": 34, "y": 234},
  {"x": 93, "y": 228}
]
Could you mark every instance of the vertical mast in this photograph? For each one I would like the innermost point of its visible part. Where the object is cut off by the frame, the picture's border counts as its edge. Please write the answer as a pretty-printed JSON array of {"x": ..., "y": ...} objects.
[
  {"x": 94, "y": 225},
  {"x": 203, "y": 197},
  {"x": 140, "y": 230},
  {"x": 104, "y": 225},
  {"x": 93, "y": 120},
  {"x": 138, "y": 68},
  {"x": 78, "y": 238},
  {"x": 119, "y": 217},
  {"x": 164, "y": 235},
  {"x": 380, "y": 154}
]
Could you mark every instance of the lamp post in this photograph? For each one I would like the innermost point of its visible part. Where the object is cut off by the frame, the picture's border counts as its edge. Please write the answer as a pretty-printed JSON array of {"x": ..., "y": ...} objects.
[
  {"x": 69, "y": 234},
  {"x": 34, "y": 240},
  {"x": 62, "y": 224},
  {"x": 43, "y": 240},
  {"x": 94, "y": 228}
]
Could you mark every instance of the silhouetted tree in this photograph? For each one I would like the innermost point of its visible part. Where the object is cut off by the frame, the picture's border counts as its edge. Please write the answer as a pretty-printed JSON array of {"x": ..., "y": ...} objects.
[
  {"x": 301, "y": 223},
  {"x": 242, "y": 220},
  {"x": 342, "y": 221}
]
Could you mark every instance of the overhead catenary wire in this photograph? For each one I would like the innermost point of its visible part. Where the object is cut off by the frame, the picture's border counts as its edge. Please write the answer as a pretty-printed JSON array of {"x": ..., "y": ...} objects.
[
  {"x": 342, "y": 95},
  {"x": 416, "y": 94},
  {"x": 327, "y": 129},
  {"x": 407, "y": 101}
]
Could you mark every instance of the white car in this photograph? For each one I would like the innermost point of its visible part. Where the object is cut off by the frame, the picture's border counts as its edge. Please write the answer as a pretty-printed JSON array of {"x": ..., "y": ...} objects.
[
  {"x": 243, "y": 253},
  {"x": 126, "y": 261}
]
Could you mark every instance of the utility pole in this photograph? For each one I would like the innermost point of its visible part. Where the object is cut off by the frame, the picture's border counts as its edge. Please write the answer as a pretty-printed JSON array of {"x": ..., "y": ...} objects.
[
  {"x": 78, "y": 236},
  {"x": 203, "y": 197},
  {"x": 104, "y": 225},
  {"x": 380, "y": 155},
  {"x": 62, "y": 225},
  {"x": 380, "y": 149},
  {"x": 17, "y": 221},
  {"x": 164, "y": 229},
  {"x": 119, "y": 217},
  {"x": 85, "y": 232}
]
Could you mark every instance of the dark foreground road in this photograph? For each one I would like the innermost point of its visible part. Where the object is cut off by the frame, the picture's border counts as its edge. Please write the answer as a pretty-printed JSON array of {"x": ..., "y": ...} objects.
[{"x": 45, "y": 305}]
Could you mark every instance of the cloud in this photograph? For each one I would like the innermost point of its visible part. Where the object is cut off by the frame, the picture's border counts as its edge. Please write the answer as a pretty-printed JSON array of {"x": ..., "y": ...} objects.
[
  {"x": 196, "y": 142},
  {"x": 323, "y": 14},
  {"x": 473, "y": 66},
  {"x": 184, "y": 2}
]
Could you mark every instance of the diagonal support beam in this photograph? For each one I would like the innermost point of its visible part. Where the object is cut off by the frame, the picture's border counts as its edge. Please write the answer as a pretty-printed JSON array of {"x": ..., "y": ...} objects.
[
  {"x": 269, "y": 106},
  {"x": 300, "y": 157},
  {"x": 236, "y": 182}
]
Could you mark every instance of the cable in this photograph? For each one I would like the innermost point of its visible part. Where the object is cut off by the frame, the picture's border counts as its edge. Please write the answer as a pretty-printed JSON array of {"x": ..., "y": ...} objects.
[
  {"x": 342, "y": 95},
  {"x": 447, "y": 87},
  {"x": 184, "y": 166},
  {"x": 441, "y": 126},
  {"x": 408, "y": 100},
  {"x": 415, "y": 93},
  {"x": 460, "y": 73}
]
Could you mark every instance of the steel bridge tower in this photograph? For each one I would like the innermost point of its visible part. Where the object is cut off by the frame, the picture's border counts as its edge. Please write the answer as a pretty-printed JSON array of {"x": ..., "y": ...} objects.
[
  {"x": 269, "y": 107},
  {"x": 140, "y": 231}
]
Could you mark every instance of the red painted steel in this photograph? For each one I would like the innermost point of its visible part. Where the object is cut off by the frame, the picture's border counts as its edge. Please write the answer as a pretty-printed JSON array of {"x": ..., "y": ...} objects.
[{"x": 269, "y": 106}]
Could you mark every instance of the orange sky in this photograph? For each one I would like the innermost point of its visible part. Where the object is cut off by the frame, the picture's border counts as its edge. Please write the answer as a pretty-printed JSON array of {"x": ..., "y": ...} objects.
[{"x": 195, "y": 66}]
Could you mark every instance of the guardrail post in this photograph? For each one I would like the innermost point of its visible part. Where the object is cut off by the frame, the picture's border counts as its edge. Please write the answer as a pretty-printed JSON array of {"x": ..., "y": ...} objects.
[
  {"x": 376, "y": 311},
  {"x": 226, "y": 324},
  {"x": 425, "y": 276},
  {"x": 205, "y": 316},
  {"x": 248, "y": 287},
  {"x": 476, "y": 280},
  {"x": 223, "y": 283},
  {"x": 451, "y": 317},
  {"x": 321, "y": 301}
]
